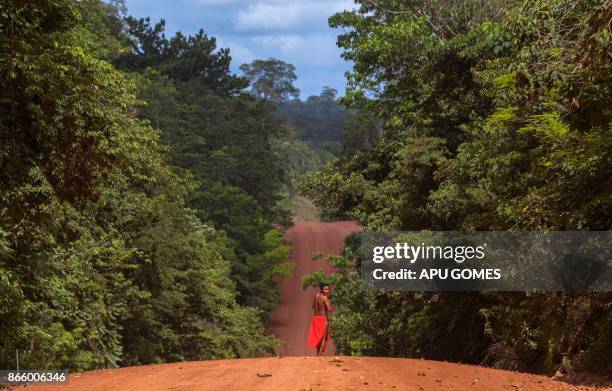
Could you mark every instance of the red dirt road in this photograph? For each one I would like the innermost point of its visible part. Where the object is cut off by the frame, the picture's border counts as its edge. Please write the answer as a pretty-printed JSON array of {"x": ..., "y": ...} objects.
[
  {"x": 291, "y": 319},
  {"x": 311, "y": 374},
  {"x": 290, "y": 322}
]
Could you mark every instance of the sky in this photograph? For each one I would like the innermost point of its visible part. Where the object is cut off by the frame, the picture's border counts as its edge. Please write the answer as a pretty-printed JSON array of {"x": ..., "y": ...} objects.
[{"x": 295, "y": 31}]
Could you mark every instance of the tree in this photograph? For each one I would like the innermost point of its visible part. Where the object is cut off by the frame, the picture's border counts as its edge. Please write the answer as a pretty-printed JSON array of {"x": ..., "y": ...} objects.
[
  {"x": 181, "y": 58},
  {"x": 271, "y": 79},
  {"x": 328, "y": 94}
]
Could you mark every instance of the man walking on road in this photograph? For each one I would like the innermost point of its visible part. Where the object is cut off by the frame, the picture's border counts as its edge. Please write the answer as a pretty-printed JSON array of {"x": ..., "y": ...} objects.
[{"x": 318, "y": 335}]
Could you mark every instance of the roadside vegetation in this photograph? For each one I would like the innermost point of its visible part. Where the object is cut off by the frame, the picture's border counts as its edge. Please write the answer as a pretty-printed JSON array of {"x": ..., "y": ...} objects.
[{"x": 474, "y": 115}]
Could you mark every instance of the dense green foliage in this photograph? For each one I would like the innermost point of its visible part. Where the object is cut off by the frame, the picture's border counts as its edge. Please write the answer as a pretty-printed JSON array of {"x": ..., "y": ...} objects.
[
  {"x": 320, "y": 121},
  {"x": 494, "y": 116},
  {"x": 109, "y": 252},
  {"x": 223, "y": 137}
]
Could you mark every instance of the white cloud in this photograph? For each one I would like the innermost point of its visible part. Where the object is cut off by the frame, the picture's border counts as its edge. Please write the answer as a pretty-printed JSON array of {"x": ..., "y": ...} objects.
[
  {"x": 283, "y": 42},
  {"x": 217, "y": 2},
  {"x": 287, "y": 15}
]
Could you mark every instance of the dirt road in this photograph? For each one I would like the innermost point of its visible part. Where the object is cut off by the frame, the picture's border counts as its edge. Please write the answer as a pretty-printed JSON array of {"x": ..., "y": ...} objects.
[
  {"x": 291, "y": 319},
  {"x": 311, "y": 374},
  {"x": 290, "y": 322}
]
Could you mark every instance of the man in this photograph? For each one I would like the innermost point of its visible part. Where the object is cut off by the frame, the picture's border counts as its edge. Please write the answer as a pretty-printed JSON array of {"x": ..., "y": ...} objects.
[{"x": 318, "y": 335}]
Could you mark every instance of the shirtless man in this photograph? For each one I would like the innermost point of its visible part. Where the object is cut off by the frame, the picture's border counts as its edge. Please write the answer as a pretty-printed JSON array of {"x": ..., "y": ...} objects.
[{"x": 318, "y": 335}]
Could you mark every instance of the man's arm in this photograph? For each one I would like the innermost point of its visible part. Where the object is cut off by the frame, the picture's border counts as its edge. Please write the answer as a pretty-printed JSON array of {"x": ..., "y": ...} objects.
[{"x": 328, "y": 306}]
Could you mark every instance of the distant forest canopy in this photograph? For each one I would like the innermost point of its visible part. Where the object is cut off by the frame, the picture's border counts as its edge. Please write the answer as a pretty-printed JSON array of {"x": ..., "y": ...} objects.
[
  {"x": 140, "y": 185},
  {"x": 320, "y": 120},
  {"x": 473, "y": 115}
]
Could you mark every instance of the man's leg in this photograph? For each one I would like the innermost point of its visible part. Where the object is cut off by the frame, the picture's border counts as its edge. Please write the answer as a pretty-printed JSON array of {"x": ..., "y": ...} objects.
[{"x": 323, "y": 341}]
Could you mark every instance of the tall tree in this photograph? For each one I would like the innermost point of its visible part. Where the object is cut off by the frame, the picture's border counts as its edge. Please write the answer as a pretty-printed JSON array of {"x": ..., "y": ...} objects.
[
  {"x": 181, "y": 58},
  {"x": 271, "y": 79}
]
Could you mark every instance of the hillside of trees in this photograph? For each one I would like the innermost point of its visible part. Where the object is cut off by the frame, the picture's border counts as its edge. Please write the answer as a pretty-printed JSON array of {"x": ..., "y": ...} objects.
[
  {"x": 476, "y": 115},
  {"x": 141, "y": 189},
  {"x": 320, "y": 121},
  {"x": 315, "y": 130}
]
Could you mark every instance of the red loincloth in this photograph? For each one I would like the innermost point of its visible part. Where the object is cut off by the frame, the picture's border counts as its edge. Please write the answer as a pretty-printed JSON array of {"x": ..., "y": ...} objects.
[{"x": 317, "y": 334}]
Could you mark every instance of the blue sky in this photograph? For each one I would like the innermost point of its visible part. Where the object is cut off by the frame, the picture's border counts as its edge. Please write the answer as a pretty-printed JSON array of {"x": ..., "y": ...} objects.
[{"x": 295, "y": 31}]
